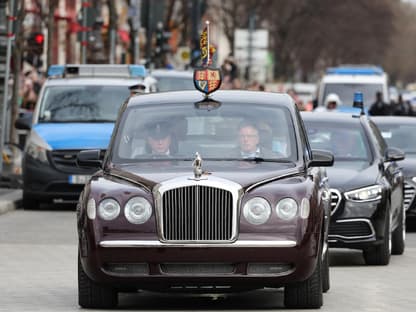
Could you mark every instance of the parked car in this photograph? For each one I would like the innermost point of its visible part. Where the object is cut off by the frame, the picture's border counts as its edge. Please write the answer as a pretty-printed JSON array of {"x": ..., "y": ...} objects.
[
  {"x": 366, "y": 185},
  {"x": 172, "y": 80},
  {"x": 200, "y": 216},
  {"x": 76, "y": 110},
  {"x": 400, "y": 132}
]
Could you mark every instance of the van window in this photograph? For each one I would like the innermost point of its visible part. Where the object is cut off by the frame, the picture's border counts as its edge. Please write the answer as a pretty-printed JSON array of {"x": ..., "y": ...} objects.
[
  {"x": 345, "y": 91},
  {"x": 82, "y": 103}
]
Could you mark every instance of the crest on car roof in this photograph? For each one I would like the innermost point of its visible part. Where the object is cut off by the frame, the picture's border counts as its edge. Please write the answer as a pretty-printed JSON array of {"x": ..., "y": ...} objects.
[{"x": 207, "y": 79}]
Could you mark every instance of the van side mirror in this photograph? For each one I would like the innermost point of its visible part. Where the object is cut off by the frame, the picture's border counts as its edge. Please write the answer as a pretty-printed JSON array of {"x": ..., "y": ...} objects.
[{"x": 24, "y": 122}]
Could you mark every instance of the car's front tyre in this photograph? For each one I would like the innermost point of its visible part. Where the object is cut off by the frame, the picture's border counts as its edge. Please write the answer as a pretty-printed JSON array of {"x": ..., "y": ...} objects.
[
  {"x": 308, "y": 293},
  {"x": 94, "y": 296},
  {"x": 325, "y": 272},
  {"x": 399, "y": 235},
  {"x": 380, "y": 254}
]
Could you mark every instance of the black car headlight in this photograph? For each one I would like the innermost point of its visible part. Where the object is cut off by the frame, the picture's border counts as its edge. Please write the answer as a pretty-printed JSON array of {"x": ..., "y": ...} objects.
[{"x": 365, "y": 194}]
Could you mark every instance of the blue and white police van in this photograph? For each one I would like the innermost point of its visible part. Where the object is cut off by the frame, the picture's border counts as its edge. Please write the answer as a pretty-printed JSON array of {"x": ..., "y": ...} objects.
[
  {"x": 346, "y": 80},
  {"x": 76, "y": 110}
]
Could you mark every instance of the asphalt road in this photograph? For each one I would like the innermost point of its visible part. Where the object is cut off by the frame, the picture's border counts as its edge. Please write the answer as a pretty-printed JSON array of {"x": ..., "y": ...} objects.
[{"x": 38, "y": 273}]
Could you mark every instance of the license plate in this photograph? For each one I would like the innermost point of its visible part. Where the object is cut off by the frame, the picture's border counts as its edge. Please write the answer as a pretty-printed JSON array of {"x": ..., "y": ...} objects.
[{"x": 78, "y": 179}]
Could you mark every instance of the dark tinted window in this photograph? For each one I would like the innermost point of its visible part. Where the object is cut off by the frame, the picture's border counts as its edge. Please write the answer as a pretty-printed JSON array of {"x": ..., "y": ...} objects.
[
  {"x": 400, "y": 136},
  {"x": 345, "y": 141}
]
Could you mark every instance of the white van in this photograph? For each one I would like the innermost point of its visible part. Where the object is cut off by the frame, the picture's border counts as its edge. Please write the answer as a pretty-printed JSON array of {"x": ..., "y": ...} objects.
[{"x": 345, "y": 80}]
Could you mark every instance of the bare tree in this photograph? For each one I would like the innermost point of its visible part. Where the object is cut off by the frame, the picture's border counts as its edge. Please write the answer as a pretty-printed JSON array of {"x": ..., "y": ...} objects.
[
  {"x": 51, "y": 30},
  {"x": 17, "y": 66}
]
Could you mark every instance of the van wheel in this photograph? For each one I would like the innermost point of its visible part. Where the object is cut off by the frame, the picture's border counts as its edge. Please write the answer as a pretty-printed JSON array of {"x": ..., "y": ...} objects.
[
  {"x": 94, "y": 296},
  {"x": 30, "y": 203}
]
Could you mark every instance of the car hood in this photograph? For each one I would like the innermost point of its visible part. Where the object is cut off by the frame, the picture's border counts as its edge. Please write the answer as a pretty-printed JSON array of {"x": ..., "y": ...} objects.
[
  {"x": 347, "y": 175},
  {"x": 75, "y": 135},
  {"x": 241, "y": 172}
]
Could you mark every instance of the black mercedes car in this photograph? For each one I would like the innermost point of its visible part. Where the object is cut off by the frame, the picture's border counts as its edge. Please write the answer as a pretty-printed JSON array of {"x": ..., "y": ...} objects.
[
  {"x": 205, "y": 194},
  {"x": 400, "y": 132},
  {"x": 366, "y": 185}
]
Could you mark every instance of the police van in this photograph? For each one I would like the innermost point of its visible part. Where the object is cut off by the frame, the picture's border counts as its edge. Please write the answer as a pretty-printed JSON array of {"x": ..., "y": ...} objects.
[
  {"x": 346, "y": 80},
  {"x": 76, "y": 110}
]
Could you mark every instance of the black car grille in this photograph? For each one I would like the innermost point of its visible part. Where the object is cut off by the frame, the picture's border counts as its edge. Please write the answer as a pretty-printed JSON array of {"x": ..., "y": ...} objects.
[
  {"x": 409, "y": 195},
  {"x": 335, "y": 200},
  {"x": 353, "y": 229},
  {"x": 197, "y": 213},
  {"x": 65, "y": 160}
]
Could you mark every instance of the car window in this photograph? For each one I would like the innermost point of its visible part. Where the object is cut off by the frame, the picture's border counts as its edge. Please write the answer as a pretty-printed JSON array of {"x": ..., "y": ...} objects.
[
  {"x": 400, "y": 136},
  {"x": 213, "y": 133},
  {"x": 345, "y": 142},
  {"x": 81, "y": 103},
  {"x": 173, "y": 83}
]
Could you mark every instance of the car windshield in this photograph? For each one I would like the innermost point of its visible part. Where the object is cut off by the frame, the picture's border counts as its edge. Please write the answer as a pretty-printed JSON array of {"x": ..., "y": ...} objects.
[
  {"x": 400, "y": 136},
  {"x": 221, "y": 133},
  {"x": 82, "y": 103},
  {"x": 346, "y": 91},
  {"x": 174, "y": 83},
  {"x": 345, "y": 142}
]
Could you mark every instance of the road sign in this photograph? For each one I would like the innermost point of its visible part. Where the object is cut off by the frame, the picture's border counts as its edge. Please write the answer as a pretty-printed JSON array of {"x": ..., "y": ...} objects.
[{"x": 259, "y": 39}]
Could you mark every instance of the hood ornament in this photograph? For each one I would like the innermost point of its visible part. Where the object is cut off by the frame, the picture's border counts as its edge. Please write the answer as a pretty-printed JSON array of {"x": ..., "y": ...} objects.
[{"x": 197, "y": 164}]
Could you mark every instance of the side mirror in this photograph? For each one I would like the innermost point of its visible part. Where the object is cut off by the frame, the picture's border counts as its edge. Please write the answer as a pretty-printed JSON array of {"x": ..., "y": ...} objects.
[
  {"x": 89, "y": 159},
  {"x": 321, "y": 158},
  {"x": 24, "y": 122},
  {"x": 394, "y": 154}
]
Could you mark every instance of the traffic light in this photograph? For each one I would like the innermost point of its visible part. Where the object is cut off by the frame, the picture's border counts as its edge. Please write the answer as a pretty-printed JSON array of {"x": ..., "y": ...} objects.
[
  {"x": 162, "y": 41},
  {"x": 35, "y": 43}
]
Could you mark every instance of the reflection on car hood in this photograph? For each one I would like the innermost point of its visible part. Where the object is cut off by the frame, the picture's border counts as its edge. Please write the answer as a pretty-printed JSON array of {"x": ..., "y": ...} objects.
[
  {"x": 242, "y": 172},
  {"x": 346, "y": 176}
]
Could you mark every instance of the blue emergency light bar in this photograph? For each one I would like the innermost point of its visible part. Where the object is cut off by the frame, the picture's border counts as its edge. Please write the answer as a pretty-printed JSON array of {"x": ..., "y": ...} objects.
[
  {"x": 96, "y": 70},
  {"x": 351, "y": 70}
]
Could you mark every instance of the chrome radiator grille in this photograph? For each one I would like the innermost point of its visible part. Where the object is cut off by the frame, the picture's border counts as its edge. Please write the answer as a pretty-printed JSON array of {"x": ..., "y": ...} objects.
[
  {"x": 335, "y": 200},
  {"x": 197, "y": 213},
  {"x": 409, "y": 194}
]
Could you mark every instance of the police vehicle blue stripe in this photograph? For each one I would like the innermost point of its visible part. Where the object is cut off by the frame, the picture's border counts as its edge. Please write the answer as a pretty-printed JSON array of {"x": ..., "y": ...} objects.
[{"x": 75, "y": 135}]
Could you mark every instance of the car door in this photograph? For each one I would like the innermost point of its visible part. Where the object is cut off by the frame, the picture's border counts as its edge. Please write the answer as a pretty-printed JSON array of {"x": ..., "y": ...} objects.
[{"x": 392, "y": 172}]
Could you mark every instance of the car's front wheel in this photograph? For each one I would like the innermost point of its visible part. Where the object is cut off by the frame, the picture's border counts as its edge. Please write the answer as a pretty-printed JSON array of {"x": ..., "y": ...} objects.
[
  {"x": 380, "y": 254},
  {"x": 399, "y": 235},
  {"x": 94, "y": 296},
  {"x": 308, "y": 293},
  {"x": 325, "y": 272}
]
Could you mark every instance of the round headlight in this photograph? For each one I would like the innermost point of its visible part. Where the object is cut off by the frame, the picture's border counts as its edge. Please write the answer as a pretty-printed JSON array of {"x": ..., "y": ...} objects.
[
  {"x": 108, "y": 209},
  {"x": 257, "y": 210},
  {"x": 138, "y": 210},
  {"x": 287, "y": 208}
]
